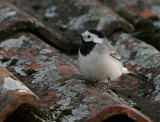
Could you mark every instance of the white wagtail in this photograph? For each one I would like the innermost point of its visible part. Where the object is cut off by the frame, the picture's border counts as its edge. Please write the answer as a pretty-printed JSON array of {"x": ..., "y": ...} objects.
[{"x": 98, "y": 60}]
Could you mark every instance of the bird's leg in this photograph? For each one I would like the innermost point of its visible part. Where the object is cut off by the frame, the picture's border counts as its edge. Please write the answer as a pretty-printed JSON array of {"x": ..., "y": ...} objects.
[
  {"x": 108, "y": 84},
  {"x": 107, "y": 81}
]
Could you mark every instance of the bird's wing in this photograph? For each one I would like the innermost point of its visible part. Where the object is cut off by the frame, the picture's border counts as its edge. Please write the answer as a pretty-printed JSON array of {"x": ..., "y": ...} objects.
[
  {"x": 108, "y": 48},
  {"x": 114, "y": 53}
]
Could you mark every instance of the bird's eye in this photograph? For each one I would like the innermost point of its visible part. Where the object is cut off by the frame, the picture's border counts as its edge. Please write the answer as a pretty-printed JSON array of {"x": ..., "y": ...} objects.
[{"x": 88, "y": 36}]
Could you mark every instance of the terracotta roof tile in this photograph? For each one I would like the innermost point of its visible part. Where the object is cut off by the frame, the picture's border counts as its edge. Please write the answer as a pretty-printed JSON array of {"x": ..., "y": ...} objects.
[
  {"x": 13, "y": 94},
  {"x": 14, "y": 20},
  {"x": 26, "y": 51},
  {"x": 63, "y": 19},
  {"x": 58, "y": 82},
  {"x": 143, "y": 15},
  {"x": 141, "y": 7},
  {"x": 140, "y": 58}
]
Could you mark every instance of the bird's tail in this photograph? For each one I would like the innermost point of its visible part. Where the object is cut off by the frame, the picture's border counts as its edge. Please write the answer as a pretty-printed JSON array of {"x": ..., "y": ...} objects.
[{"x": 126, "y": 72}]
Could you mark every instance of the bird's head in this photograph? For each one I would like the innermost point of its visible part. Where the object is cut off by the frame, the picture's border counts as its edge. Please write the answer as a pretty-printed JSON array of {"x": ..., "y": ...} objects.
[{"x": 94, "y": 36}]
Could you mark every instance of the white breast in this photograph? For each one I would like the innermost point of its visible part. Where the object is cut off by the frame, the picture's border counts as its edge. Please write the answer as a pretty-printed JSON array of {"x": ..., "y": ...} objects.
[{"x": 99, "y": 67}]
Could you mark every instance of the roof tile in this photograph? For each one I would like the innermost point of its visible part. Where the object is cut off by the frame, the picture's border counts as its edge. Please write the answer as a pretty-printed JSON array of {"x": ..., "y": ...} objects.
[
  {"x": 59, "y": 84},
  {"x": 74, "y": 17},
  {"x": 14, "y": 20},
  {"x": 140, "y": 58},
  {"x": 143, "y": 8},
  {"x": 66, "y": 95},
  {"x": 13, "y": 94}
]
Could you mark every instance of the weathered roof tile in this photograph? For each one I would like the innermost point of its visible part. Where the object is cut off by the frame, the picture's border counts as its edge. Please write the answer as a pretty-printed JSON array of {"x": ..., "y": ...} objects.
[
  {"x": 13, "y": 94},
  {"x": 140, "y": 58},
  {"x": 13, "y": 20},
  {"x": 143, "y": 15},
  {"x": 74, "y": 17},
  {"x": 66, "y": 95},
  {"x": 145, "y": 9},
  {"x": 59, "y": 84}
]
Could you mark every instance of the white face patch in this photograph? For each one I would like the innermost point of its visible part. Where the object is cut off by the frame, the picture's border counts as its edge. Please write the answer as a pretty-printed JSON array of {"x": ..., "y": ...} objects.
[{"x": 88, "y": 37}]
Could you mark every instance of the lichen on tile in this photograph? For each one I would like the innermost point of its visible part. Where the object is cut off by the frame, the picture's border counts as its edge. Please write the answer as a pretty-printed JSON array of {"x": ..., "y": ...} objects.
[
  {"x": 13, "y": 42},
  {"x": 6, "y": 12},
  {"x": 78, "y": 114},
  {"x": 44, "y": 51},
  {"x": 157, "y": 87},
  {"x": 141, "y": 50},
  {"x": 101, "y": 16},
  {"x": 106, "y": 19},
  {"x": 10, "y": 84},
  {"x": 50, "y": 12},
  {"x": 48, "y": 75},
  {"x": 156, "y": 10}
]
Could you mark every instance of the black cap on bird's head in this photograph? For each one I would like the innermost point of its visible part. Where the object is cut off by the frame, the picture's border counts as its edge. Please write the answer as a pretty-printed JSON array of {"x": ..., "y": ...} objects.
[
  {"x": 93, "y": 35},
  {"x": 98, "y": 33}
]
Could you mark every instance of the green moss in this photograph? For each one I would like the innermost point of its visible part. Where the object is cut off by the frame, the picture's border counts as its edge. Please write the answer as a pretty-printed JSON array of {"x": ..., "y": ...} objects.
[
  {"x": 30, "y": 71},
  {"x": 36, "y": 7},
  {"x": 58, "y": 120},
  {"x": 137, "y": 107},
  {"x": 154, "y": 18},
  {"x": 56, "y": 115},
  {"x": 114, "y": 90},
  {"x": 145, "y": 94},
  {"x": 56, "y": 108},
  {"x": 40, "y": 113},
  {"x": 67, "y": 112},
  {"x": 61, "y": 115},
  {"x": 47, "y": 115},
  {"x": 45, "y": 19},
  {"x": 129, "y": 96},
  {"x": 18, "y": 74},
  {"x": 5, "y": 59},
  {"x": 13, "y": 62}
]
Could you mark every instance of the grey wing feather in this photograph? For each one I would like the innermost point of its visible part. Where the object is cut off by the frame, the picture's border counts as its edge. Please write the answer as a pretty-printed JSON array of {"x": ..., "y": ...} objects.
[{"x": 111, "y": 49}]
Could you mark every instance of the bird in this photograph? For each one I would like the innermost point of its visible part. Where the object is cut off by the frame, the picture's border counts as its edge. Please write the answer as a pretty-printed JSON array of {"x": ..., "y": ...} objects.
[{"x": 98, "y": 60}]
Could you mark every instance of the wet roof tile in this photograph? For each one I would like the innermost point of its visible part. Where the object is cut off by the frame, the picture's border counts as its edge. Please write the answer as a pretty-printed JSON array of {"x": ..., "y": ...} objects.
[{"x": 13, "y": 94}]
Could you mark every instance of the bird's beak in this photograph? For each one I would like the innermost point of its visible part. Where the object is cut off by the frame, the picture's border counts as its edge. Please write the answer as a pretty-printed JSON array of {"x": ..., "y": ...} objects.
[{"x": 78, "y": 35}]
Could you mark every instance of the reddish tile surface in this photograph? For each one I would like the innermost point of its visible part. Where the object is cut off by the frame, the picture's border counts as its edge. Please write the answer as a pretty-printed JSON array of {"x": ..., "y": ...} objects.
[
  {"x": 13, "y": 94},
  {"x": 143, "y": 59},
  {"x": 66, "y": 95},
  {"x": 58, "y": 82},
  {"x": 13, "y": 20},
  {"x": 144, "y": 8},
  {"x": 143, "y": 15}
]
